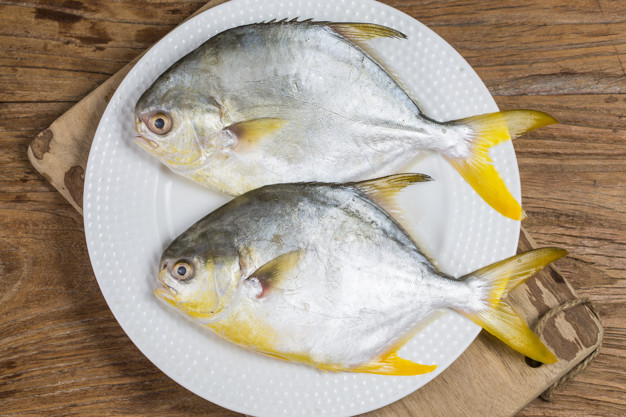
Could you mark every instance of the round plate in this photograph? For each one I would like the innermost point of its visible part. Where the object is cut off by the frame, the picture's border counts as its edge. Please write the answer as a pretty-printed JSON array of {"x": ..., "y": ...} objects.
[{"x": 133, "y": 207}]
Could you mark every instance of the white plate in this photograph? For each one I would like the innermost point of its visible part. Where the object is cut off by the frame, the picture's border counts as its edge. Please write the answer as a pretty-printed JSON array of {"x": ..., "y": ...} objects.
[{"x": 133, "y": 207}]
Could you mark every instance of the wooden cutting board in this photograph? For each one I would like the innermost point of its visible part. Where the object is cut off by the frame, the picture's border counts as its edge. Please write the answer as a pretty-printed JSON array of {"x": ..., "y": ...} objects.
[{"x": 488, "y": 379}]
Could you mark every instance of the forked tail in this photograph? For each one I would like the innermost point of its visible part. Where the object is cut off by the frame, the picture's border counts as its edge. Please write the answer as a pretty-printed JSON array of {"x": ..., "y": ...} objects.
[
  {"x": 492, "y": 283},
  {"x": 488, "y": 130}
]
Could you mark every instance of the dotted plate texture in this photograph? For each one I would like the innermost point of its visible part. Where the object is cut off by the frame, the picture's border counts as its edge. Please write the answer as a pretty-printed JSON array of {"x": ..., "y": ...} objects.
[{"x": 134, "y": 207}]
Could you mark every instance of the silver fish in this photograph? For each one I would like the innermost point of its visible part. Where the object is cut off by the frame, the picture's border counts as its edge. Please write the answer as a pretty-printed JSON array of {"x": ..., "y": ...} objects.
[
  {"x": 303, "y": 101},
  {"x": 320, "y": 274}
]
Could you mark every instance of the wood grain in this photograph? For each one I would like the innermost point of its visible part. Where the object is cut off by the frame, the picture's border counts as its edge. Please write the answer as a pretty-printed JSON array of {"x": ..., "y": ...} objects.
[{"x": 62, "y": 352}]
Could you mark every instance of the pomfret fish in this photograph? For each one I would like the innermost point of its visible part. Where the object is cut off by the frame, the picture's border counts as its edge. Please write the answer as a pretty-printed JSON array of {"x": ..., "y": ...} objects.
[
  {"x": 303, "y": 101},
  {"x": 320, "y": 274}
]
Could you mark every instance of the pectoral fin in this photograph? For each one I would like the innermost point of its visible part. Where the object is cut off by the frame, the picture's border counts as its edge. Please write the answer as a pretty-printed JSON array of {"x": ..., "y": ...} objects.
[
  {"x": 250, "y": 132},
  {"x": 271, "y": 274}
]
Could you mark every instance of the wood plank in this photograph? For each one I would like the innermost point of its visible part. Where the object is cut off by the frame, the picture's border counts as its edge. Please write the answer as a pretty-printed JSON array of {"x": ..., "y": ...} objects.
[
  {"x": 58, "y": 55},
  {"x": 62, "y": 353},
  {"x": 561, "y": 47},
  {"x": 75, "y": 46},
  {"x": 163, "y": 12},
  {"x": 29, "y": 84},
  {"x": 602, "y": 111},
  {"x": 488, "y": 13}
]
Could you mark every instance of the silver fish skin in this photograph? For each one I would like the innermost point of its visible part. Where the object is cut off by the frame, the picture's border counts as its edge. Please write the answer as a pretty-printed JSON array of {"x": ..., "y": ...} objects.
[
  {"x": 293, "y": 101},
  {"x": 335, "y": 100},
  {"x": 314, "y": 273}
]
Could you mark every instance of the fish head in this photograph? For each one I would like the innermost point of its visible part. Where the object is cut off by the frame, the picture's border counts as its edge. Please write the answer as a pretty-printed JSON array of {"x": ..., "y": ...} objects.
[
  {"x": 177, "y": 125},
  {"x": 204, "y": 288}
]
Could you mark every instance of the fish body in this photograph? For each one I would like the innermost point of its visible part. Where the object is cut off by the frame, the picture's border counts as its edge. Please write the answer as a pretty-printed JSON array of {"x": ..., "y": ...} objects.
[
  {"x": 293, "y": 101},
  {"x": 320, "y": 274}
]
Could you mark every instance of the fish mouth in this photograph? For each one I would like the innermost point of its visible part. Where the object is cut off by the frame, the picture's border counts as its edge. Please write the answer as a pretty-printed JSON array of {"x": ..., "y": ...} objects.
[
  {"x": 147, "y": 144},
  {"x": 154, "y": 149},
  {"x": 166, "y": 294},
  {"x": 164, "y": 291}
]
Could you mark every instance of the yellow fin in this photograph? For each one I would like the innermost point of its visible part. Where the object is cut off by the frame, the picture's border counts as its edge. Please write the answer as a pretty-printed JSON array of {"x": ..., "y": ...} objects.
[
  {"x": 505, "y": 324},
  {"x": 272, "y": 273},
  {"x": 499, "y": 318},
  {"x": 356, "y": 32},
  {"x": 383, "y": 191},
  {"x": 477, "y": 168},
  {"x": 507, "y": 274},
  {"x": 250, "y": 132},
  {"x": 392, "y": 364},
  {"x": 387, "y": 364}
]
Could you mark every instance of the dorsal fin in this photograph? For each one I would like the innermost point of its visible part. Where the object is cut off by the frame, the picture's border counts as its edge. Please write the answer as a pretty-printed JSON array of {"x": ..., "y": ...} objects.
[
  {"x": 273, "y": 272},
  {"x": 356, "y": 32},
  {"x": 383, "y": 191}
]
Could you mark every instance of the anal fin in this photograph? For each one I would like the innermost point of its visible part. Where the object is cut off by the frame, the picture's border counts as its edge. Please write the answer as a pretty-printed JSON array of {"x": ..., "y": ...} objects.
[{"x": 392, "y": 364}]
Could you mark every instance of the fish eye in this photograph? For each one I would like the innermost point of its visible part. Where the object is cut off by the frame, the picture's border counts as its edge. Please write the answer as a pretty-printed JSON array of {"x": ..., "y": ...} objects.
[
  {"x": 182, "y": 271},
  {"x": 160, "y": 124}
]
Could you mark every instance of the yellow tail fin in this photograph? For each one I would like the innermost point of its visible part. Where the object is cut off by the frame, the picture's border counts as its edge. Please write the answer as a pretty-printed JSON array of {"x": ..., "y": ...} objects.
[
  {"x": 499, "y": 318},
  {"x": 477, "y": 168}
]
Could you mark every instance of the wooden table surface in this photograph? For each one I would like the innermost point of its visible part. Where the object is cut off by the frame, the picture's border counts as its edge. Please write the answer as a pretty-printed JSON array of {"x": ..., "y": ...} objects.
[{"x": 61, "y": 350}]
